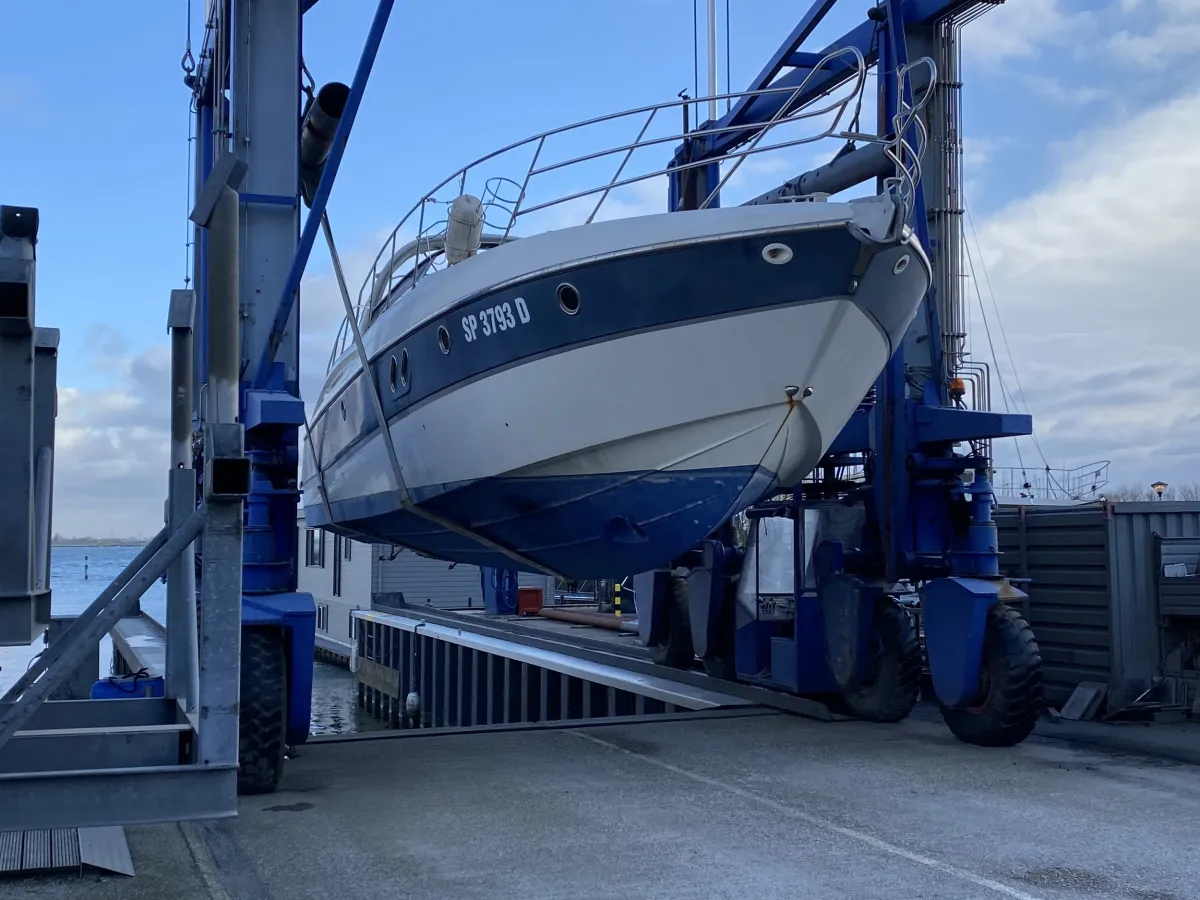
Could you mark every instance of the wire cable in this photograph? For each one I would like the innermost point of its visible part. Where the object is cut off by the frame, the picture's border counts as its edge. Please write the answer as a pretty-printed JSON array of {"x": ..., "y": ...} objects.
[
  {"x": 728, "y": 62},
  {"x": 188, "y": 64},
  {"x": 696, "y": 55},
  {"x": 987, "y": 329},
  {"x": 1007, "y": 348}
]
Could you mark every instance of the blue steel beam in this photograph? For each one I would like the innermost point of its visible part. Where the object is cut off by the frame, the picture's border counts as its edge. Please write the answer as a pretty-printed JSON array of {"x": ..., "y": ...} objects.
[
  {"x": 321, "y": 197},
  {"x": 894, "y": 58},
  {"x": 754, "y": 112},
  {"x": 765, "y": 107},
  {"x": 779, "y": 60}
]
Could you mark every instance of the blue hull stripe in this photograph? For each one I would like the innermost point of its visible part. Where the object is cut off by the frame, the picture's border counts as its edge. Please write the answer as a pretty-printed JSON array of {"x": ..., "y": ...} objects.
[
  {"x": 596, "y": 526},
  {"x": 617, "y": 297}
]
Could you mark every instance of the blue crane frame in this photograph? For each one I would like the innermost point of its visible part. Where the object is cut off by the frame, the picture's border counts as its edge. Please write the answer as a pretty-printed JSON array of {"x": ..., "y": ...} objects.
[
  {"x": 907, "y": 441},
  {"x": 905, "y": 436},
  {"x": 269, "y": 48}
]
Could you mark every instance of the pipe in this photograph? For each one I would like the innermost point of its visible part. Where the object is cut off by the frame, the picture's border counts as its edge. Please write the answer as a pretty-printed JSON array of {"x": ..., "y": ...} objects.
[
  {"x": 844, "y": 171},
  {"x": 43, "y": 500},
  {"x": 182, "y": 659},
  {"x": 223, "y": 310},
  {"x": 595, "y": 619},
  {"x": 712, "y": 60},
  {"x": 317, "y": 134},
  {"x": 181, "y": 398}
]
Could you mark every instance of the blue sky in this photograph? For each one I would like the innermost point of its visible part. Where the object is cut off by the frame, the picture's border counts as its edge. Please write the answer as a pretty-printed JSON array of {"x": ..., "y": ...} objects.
[{"x": 1071, "y": 113}]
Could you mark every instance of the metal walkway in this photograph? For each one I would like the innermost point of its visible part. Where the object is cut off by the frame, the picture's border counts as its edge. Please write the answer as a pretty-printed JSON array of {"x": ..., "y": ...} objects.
[{"x": 421, "y": 670}]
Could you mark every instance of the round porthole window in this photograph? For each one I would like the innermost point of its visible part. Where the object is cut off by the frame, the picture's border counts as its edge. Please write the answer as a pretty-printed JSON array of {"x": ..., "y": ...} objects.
[
  {"x": 404, "y": 368},
  {"x": 568, "y": 299},
  {"x": 443, "y": 339},
  {"x": 777, "y": 254},
  {"x": 901, "y": 264},
  {"x": 392, "y": 375}
]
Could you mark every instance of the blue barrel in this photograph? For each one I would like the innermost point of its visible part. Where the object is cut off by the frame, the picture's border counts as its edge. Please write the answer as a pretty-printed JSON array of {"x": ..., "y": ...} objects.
[
  {"x": 499, "y": 591},
  {"x": 125, "y": 687}
]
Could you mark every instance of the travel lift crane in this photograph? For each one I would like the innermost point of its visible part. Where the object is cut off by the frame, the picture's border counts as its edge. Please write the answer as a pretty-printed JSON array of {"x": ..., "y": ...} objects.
[
  {"x": 239, "y": 637},
  {"x": 258, "y": 151},
  {"x": 817, "y": 613}
]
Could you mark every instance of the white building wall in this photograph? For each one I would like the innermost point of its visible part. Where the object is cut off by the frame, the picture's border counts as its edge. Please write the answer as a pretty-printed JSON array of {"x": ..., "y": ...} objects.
[
  {"x": 376, "y": 574},
  {"x": 338, "y": 586},
  {"x": 431, "y": 582}
]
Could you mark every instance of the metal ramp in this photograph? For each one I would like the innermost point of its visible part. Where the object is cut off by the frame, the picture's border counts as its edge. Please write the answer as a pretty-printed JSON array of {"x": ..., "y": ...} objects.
[
  {"x": 417, "y": 672},
  {"x": 65, "y": 850},
  {"x": 422, "y": 672}
]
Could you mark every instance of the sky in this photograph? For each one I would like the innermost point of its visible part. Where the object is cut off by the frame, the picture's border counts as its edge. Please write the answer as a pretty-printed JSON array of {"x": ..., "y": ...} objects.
[{"x": 1080, "y": 184}]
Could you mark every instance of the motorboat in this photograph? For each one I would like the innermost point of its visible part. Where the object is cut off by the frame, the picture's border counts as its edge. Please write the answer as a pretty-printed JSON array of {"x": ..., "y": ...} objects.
[{"x": 593, "y": 400}]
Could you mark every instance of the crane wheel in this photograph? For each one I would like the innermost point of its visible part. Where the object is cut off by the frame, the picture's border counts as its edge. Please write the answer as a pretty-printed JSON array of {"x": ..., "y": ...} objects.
[
  {"x": 720, "y": 661},
  {"x": 892, "y": 684},
  {"x": 262, "y": 722},
  {"x": 677, "y": 651},
  {"x": 1010, "y": 697}
]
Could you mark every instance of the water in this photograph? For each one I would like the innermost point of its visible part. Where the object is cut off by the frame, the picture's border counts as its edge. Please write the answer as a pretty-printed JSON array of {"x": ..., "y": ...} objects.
[{"x": 79, "y": 574}]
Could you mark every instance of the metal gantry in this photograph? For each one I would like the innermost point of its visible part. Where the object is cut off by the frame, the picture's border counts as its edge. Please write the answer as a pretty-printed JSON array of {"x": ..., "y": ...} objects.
[
  {"x": 237, "y": 415},
  {"x": 925, "y": 506},
  {"x": 82, "y": 762},
  {"x": 238, "y": 635},
  {"x": 913, "y": 414}
]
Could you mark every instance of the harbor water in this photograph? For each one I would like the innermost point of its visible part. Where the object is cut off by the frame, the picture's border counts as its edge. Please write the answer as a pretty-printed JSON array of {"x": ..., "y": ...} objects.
[{"x": 79, "y": 573}]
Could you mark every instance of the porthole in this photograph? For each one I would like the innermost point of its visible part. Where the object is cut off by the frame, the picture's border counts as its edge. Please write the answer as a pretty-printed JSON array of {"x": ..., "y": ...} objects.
[
  {"x": 392, "y": 374},
  {"x": 404, "y": 367},
  {"x": 568, "y": 299},
  {"x": 901, "y": 264},
  {"x": 777, "y": 254},
  {"x": 443, "y": 339}
]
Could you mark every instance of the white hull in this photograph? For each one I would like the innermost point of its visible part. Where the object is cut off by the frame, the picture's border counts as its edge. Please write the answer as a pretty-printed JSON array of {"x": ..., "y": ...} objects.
[
  {"x": 620, "y": 414},
  {"x": 561, "y": 434}
]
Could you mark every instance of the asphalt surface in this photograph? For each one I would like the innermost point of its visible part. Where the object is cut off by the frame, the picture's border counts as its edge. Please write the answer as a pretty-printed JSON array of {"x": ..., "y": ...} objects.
[{"x": 758, "y": 808}]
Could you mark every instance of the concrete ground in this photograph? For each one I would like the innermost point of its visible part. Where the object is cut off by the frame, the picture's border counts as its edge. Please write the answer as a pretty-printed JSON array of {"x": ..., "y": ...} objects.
[{"x": 759, "y": 807}]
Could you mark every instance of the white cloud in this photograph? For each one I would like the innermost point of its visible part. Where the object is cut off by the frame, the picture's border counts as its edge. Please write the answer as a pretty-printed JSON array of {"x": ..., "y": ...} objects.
[
  {"x": 1096, "y": 276},
  {"x": 1173, "y": 31},
  {"x": 979, "y": 151},
  {"x": 111, "y": 444},
  {"x": 1056, "y": 90},
  {"x": 1020, "y": 28}
]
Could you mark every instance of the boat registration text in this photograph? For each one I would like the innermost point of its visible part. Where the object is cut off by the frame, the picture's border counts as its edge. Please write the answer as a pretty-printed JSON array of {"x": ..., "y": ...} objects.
[{"x": 493, "y": 319}]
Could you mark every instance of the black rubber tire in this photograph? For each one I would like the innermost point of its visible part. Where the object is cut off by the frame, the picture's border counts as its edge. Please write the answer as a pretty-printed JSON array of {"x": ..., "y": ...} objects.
[
  {"x": 720, "y": 660},
  {"x": 677, "y": 652},
  {"x": 721, "y": 666},
  {"x": 891, "y": 687},
  {"x": 1011, "y": 690},
  {"x": 262, "y": 723}
]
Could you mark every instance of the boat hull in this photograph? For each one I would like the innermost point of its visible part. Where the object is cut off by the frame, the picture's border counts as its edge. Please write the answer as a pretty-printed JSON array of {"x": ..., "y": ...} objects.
[{"x": 691, "y": 380}]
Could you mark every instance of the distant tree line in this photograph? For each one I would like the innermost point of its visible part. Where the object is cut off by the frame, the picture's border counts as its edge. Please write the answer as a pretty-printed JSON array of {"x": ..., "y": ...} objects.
[
  {"x": 1189, "y": 491},
  {"x": 65, "y": 541}
]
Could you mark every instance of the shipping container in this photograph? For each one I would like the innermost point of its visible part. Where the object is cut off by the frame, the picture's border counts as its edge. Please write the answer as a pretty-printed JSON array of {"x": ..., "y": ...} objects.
[{"x": 1094, "y": 593}]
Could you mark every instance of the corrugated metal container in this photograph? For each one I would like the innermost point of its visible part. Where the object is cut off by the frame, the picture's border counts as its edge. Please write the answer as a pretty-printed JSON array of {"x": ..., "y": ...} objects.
[
  {"x": 1093, "y": 601},
  {"x": 431, "y": 582}
]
